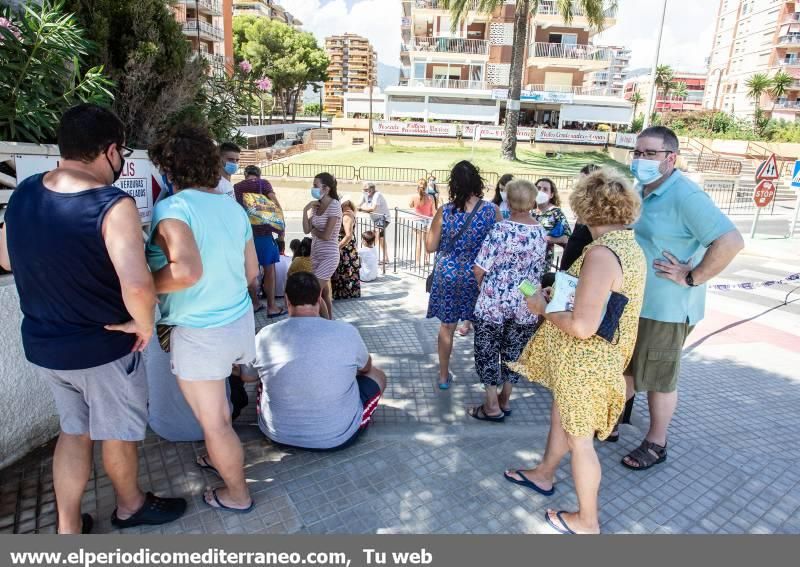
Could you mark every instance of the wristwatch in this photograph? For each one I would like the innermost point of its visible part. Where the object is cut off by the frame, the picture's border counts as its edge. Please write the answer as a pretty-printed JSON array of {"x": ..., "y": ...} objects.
[{"x": 690, "y": 280}]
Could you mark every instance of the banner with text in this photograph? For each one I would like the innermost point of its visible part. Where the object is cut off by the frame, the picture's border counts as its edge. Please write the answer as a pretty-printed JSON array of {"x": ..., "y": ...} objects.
[
  {"x": 547, "y": 97},
  {"x": 137, "y": 178},
  {"x": 591, "y": 137},
  {"x": 414, "y": 128},
  {"x": 626, "y": 140},
  {"x": 495, "y": 132}
]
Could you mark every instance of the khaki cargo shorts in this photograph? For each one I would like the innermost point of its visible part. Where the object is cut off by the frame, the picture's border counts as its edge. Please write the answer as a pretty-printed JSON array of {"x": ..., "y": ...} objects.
[{"x": 656, "y": 362}]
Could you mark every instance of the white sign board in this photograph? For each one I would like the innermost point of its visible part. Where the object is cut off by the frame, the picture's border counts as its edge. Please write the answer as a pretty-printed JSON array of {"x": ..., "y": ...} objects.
[
  {"x": 136, "y": 179},
  {"x": 547, "y": 97},
  {"x": 495, "y": 132},
  {"x": 626, "y": 140},
  {"x": 414, "y": 128},
  {"x": 719, "y": 185},
  {"x": 571, "y": 136}
]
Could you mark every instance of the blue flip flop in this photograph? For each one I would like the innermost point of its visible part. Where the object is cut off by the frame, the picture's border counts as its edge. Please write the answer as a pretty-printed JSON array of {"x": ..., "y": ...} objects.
[
  {"x": 446, "y": 385},
  {"x": 206, "y": 466},
  {"x": 528, "y": 483},
  {"x": 563, "y": 528},
  {"x": 228, "y": 508}
]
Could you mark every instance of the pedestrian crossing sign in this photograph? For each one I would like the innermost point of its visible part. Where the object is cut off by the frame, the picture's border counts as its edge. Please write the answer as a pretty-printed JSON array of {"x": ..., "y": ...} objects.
[
  {"x": 796, "y": 175},
  {"x": 768, "y": 170}
]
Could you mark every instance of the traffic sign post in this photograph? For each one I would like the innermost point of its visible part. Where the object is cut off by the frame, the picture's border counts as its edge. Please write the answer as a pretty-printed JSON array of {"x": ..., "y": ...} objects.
[
  {"x": 768, "y": 169},
  {"x": 762, "y": 196}
]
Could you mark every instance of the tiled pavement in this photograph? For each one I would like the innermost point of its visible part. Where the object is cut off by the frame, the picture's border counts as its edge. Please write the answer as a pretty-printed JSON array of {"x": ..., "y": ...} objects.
[{"x": 424, "y": 467}]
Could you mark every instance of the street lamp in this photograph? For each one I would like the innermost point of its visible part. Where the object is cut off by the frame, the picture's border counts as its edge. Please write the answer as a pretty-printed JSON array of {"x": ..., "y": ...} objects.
[{"x": 318, "y": 88}]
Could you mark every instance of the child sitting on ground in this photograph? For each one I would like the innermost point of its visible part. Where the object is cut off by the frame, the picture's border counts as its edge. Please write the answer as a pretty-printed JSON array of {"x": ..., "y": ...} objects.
[{"x": 369, "y": 257}]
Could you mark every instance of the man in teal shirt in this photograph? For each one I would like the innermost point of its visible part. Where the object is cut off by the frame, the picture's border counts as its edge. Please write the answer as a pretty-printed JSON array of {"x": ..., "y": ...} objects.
[{"x": 687, "y": 241}]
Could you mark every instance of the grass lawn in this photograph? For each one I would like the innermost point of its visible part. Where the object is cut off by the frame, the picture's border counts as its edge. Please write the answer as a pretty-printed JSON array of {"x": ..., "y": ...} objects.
[{"x": 445, "y": 156}]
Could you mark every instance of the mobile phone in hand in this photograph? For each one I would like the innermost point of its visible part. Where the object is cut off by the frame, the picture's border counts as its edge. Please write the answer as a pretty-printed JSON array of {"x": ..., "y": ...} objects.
[{"x": 527, "y": 289}]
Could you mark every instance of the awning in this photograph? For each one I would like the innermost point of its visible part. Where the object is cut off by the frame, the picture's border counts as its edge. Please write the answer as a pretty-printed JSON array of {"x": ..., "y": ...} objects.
[{"x": 598, "y": 114}]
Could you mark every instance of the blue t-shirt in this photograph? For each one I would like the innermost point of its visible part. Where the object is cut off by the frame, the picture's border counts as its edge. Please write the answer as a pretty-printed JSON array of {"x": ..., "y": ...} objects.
[
  {"x": 221, "y": 229},
  {"x": 680, "y": 218}
]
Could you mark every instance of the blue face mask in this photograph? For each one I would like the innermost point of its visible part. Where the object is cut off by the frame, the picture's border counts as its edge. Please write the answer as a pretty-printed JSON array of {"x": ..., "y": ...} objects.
[
  {"x": 231, "y": 168},
  {"x": 646, "y": 171},
  {"x": 316, "y": 193}
]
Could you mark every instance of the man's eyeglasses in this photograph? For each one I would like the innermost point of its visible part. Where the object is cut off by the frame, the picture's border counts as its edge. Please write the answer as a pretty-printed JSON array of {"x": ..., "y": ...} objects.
[
  {"x": 649, "y": 153},
  {"x": 125, "y": 151}
]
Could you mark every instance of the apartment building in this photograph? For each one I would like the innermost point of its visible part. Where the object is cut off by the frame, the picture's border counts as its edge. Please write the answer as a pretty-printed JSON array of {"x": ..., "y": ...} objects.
[
  {"x": 754, "y": 36},
  {"x": 354, "y": 65},
  {"x": 463, "y": 74},
  {"x": 611, "y": 81},
  {"x": 693, "y": 101},
  {"x": 208, "y": 26},
  {"x": 265, "y": 9}
]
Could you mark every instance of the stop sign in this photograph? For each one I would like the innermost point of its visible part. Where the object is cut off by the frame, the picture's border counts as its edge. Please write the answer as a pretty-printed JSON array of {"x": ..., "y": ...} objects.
[{"x": 764, "y": 193}]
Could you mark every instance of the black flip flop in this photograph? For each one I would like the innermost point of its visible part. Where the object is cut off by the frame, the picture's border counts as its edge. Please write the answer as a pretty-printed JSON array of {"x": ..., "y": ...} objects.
[
  {"x": 476, "y": 413},
  {"x": 87, "y": 523},
  {"x": 221, "y": 506},
  {"x": 154, "y": 512},
  {"x": 528, "y": 483},
  {"x": 280, "y": 313},
  {"x": 203, "y": 464},
  {"x": 563, "y": 528},
  {"x": 507, "y": 412}
]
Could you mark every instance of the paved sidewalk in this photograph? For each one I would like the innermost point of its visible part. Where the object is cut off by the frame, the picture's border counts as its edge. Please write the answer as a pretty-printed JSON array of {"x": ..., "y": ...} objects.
[{"x": 425, "y": 467}]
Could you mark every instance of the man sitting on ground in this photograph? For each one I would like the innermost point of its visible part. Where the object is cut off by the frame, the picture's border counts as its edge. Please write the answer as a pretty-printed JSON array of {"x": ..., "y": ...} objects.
[{"x": 319, "y": 387}]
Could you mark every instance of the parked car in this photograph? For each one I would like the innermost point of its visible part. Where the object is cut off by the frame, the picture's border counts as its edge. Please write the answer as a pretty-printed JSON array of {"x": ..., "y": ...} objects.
[{"x": 281, "y": 146}]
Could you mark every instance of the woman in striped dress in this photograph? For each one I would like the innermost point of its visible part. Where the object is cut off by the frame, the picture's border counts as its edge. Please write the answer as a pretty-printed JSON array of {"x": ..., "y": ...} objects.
[{"x": 322, "y": 219}]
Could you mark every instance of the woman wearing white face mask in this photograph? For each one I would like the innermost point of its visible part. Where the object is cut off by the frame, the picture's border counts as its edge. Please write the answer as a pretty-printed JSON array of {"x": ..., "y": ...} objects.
[
  {"x": 322, "y": 219},
  {"x": 551, "y": 217},
  {"x": 500, "y": 198}
]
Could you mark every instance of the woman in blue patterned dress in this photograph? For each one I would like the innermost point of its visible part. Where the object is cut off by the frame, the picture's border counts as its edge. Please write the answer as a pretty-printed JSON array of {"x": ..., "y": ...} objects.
[{"x": 455, "y": 290}]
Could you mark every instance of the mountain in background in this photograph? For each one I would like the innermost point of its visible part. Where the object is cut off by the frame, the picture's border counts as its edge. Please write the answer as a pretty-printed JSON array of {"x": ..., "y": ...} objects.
[{"x": 388, "y": 76}]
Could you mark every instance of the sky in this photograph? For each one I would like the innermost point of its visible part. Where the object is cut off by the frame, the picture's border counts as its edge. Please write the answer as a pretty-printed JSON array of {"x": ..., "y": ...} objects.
[{"x": 688, "y": 28}]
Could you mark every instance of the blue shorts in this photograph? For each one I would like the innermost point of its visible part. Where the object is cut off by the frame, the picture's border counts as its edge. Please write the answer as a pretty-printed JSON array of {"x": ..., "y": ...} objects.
[{"x": 266, "y": 250}]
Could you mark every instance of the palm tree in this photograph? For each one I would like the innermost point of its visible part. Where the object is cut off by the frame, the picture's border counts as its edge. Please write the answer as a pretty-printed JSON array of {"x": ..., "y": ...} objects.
[
  {"x": 636, "y": 99},
  {"x": 757, "y": 85},
  {"x": 680, "y": 91},
  {"x": 780, "y": 85},
  {"x": 594, "y": 11}
]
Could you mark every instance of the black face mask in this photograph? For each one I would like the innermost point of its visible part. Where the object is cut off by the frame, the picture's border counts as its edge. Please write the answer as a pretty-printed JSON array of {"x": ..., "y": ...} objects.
[{"x": 117, "y": 173}]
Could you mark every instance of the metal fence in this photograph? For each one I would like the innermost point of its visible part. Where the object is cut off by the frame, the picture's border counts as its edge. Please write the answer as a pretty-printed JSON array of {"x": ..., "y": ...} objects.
[
  {"x": 737, "y": 201},
  {"x": 310, "y": 170},
  {"x": 714, "y": 163},
  {"x": 399, "y": 174}
]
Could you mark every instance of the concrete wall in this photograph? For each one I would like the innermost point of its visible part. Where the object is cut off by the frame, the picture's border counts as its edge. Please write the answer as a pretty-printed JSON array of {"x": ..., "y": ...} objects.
[{"x": 27, "y": 412}]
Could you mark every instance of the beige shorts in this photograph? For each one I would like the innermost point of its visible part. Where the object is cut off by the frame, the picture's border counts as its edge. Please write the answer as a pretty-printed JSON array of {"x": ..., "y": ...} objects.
[
  {"x": 656, "y": 362},
  {"x": 209, "y": 354}
]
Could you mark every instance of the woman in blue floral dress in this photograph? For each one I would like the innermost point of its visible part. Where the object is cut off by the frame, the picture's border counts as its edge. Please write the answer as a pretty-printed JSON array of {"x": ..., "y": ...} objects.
[
  {"x": 455, "y": 290},
  {"x": 513, "y": 252}
]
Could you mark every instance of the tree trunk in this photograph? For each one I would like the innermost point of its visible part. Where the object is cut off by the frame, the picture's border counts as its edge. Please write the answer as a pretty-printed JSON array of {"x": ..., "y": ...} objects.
[
  {"x": 285, "y": 103},
  {"x": 509, "y": 146},
  {"x": 294, "y": 104}
]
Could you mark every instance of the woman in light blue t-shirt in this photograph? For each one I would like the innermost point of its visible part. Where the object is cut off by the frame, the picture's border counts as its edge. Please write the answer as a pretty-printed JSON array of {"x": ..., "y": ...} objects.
[{"x": 203, "y": 260}]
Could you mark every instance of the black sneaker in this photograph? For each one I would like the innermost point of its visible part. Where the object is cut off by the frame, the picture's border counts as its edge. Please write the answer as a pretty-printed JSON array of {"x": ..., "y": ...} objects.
[{"x": 155, "y": 511}]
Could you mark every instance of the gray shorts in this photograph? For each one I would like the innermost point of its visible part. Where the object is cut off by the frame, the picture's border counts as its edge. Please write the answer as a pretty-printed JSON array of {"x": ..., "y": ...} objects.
[
  {"x": 209, "y": 354},
  {"x": 108, "y": 402}
]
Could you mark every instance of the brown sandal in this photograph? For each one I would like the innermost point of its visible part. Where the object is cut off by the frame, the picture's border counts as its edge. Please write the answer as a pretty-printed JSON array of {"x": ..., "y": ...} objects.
[{"x": 646, "y": 455}]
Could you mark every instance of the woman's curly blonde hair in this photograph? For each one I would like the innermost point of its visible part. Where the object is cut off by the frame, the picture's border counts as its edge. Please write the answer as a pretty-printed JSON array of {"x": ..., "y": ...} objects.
[{"x": 605, "y": 197}]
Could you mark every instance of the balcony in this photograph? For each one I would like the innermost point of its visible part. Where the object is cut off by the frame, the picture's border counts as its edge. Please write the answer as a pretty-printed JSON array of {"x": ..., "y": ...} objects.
[
  {"x": 792, "y": 18},
  {"x": 548, "y": 14},
  {"x": 580, "y": 90},
  {"x": 583, "y": 57},
  {"x": 793, "y": 62},
  {"x": 789, "y": 40},
  {"x": 207, "y": 7},
  {"x": 448, "y": 45},
  {"x": 205, "y": 31},
  {"x": 788, "y": 105},
  {"x": 442, "y": 5},
  {"x": 449, "y": 84}
]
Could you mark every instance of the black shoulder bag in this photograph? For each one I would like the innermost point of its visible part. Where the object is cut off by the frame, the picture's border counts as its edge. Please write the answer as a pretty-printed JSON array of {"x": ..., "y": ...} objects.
[{"x": 459, "y": 234}]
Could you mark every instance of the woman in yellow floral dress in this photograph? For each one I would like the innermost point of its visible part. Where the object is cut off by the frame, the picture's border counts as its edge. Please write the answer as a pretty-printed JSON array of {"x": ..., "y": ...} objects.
[{"x": 583, "y": 370}]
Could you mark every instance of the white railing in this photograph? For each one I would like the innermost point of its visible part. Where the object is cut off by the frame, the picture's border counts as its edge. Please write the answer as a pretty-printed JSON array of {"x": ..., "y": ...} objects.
[
  {"x": 579, "y": 52},
  {"x": 214, "y": 6},
  {"x": 448, "y": 45},
  {"x": 789, "y": 104},
  {"x": 581, "y": 90},
  {"x": 789, "y": 62},
  {"x": 550, "y": 8},
  {"x": 789, "y": 18},
  {"x": 791, "y": 38},
  {"x": 449, "y": 84},
  {"x": 191, "y": 26},
  {"x": 442, "y": 4}
]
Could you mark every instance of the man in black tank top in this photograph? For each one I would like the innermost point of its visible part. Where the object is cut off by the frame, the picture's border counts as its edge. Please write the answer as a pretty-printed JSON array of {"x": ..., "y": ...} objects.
[{"x": 85, "y": 338}]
